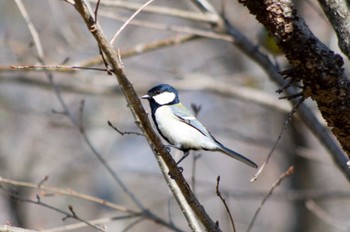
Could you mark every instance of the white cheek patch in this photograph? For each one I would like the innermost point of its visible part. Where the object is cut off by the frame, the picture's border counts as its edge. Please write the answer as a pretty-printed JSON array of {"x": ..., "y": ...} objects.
[{"x": 164, "y": 98}]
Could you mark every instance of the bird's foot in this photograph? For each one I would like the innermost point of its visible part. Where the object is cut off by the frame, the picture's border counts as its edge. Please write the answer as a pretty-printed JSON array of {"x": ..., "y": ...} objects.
[
  {"x": 167, "y": 148},
  {"x": 172, "y": 176}
]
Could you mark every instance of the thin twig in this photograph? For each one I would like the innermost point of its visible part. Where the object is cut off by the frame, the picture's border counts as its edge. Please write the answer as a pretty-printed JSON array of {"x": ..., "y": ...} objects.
[
  {"x": 45, "y": 191},
  {"x": 142, "y": 48},
  {"x": 67, "y": 192},
  {"x": 96, "y": 9},
  {"x": 284, "y": 127},
  {"x": 39, "y": 202},
  {"x": 70, "y": 2},
  {"x": 325, "y": 216},
  {"x": 31, "y": 28},
  {"x": 81, "y": 113},
  {"x": 128, "y": 21},
  {"x": 204, "y": 6},
  {"x": 278, "y": 182},
  {"x": 86, "y": 64},
  {"x": 43, "y": 180},
  {"x": 122, "y": 133},
  {"x": 80, "y": 225},
  {"x": 190, "y": 15},
  {"x": 174, "y": 28},
  {"x": 131, "y": 225},
  {"x": 65, "y": 68},
  {"x": 218, "y": 193}
]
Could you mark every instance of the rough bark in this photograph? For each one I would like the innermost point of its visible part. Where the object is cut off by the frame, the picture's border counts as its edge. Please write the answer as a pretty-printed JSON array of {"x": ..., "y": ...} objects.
[{"x": 318, "y": 68}]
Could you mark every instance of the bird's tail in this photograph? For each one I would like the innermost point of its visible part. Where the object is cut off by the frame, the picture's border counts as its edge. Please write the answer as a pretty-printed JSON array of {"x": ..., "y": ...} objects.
[{"x": 237, "y": 156}]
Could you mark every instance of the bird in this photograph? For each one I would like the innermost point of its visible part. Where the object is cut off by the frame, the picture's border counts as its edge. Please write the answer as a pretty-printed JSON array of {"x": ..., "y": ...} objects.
[{"x": 180, "y": 128}]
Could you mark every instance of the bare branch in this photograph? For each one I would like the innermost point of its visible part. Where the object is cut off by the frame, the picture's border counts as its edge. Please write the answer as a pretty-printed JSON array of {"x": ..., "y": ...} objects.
[
  {"x": 207, "y": 17},
  {"x": 218, "y": 193},
  {"x": 128, "y": 21},
  {"x": 45, "y": 191},
  {"x": 174, "y": 28},
  {"x": 305, "y": 113},
  {"x": 284, "y": 127},
  {"x": 278, "y": 182},
  {"x": 141, "y": 118},
  {"x": 31, "y": 28},
  {"x": 123, "y": 132},
  {"x": 76, "y": 226},
  {"x": 7, "y": 228},
  {"x": 326, "y": 217},
  {"x": 38, "y": 201},
  {"x": 338, "y": 14},
  {"x": 86, "y": 64},
  {"x": 62, "y": 68},
  {"x": 320, "y": 69}
]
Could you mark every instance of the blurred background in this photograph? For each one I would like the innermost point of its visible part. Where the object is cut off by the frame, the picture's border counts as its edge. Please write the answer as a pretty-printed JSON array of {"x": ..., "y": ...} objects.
[{"x": 40, "y": 121}]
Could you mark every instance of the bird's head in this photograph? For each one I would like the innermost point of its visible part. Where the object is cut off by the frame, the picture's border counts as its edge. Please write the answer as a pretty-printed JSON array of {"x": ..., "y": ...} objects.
[{"x": 162, "y": 94}]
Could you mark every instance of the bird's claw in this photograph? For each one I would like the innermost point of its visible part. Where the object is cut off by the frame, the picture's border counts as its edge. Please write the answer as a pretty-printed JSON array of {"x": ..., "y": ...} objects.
[
  {"x": 172, "y": 176},
  {"x": 167, "y": 148}
]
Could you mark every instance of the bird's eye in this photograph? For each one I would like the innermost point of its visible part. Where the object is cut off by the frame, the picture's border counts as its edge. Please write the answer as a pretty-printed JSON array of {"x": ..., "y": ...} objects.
[{"x": 158, "y": 92}]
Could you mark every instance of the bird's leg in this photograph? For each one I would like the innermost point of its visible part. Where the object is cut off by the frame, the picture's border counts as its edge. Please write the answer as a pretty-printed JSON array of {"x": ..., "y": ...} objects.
[
  {"x": 167, "y": 147},
  {"x": 186, "y": 153}
]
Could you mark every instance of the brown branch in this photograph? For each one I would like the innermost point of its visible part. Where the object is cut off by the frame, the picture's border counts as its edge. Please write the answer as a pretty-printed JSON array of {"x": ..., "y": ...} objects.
[
  {"x": 218, "y": 193},
  {"x": 66, "y": 192},
  {"x": 320, "y": 70},
  {"x": 45, "y": 191},
  {"x": 306, "y": 113},
  {"x": 122, "y": 133},
  {"x": 62, "y": 68},
  {"x": 86, "y": 64},
  {"x": 141, "y": 116},
  {"x": 38, "y": 201}
]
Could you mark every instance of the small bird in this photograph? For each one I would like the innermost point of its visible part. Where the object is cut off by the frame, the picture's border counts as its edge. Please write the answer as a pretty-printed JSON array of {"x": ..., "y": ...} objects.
[{"x": 179, "y": 127}]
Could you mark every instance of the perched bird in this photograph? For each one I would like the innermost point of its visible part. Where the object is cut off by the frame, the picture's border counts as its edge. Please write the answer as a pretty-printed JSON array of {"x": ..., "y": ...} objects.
[{"x": 179, "y": 126}]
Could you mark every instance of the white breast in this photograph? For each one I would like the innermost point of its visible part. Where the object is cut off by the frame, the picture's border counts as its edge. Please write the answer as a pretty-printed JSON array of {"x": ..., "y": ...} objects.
[{"x": 181, "y": 134}]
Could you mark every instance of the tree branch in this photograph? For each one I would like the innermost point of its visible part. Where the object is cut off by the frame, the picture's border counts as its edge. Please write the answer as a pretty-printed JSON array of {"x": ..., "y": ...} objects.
[
  {"x": 141, "y": 116},
  {"x": 320, "y": 70},
  {"x": 338, "y": 14}
]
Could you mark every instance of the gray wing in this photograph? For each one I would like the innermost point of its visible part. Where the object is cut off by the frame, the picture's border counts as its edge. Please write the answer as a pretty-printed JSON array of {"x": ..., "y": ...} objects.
[{"x": 187, "y": 117}]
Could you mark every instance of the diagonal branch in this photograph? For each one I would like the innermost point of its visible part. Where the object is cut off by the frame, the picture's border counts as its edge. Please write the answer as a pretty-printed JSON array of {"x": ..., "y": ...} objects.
[
  {"x": 141, "y": 117},
  {"x": 319, "y": 68},
  {"x": 304, "y": 111}
]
